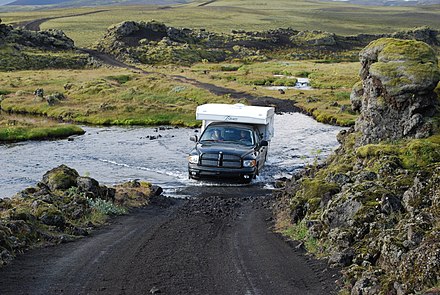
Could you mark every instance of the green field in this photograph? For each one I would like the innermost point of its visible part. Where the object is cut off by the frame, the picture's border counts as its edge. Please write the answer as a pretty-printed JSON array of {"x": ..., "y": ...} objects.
[
  {"x": 105, "y": 97},
  {"x": 227, "y": 15}
]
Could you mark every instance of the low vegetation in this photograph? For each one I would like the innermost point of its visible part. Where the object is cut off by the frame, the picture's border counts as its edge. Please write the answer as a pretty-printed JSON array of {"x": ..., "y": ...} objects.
[
  {"x": 120, "y": 97},
  {"x": 104, "y": 97},
  {"x": 348, "y": 208},
  {"x": 27, "y": 59},
  {"x": 62, "y": 207},
  {"x": 328, "y": 100},
  {"x": 19, "y": 128},
  {"x": 373, "y": 207}
]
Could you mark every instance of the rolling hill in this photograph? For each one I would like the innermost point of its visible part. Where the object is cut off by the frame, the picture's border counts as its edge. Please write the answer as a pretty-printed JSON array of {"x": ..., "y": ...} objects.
[{"x": 80, "y": 3}]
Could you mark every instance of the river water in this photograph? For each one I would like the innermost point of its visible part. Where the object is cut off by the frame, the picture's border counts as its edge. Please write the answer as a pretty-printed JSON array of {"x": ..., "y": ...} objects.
[{"x": 117, "y": 154}]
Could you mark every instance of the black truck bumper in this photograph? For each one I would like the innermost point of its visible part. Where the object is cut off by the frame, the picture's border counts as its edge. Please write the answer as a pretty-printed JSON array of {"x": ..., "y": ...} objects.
[{"x": 240, "y": 174}]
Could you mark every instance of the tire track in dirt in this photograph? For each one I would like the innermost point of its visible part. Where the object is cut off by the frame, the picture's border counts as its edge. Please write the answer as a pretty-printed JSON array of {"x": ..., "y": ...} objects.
[
  {"x": 34, "y": 25},
  {"x": 206, "y": 3},
  {"x": 281, "y": 105}
]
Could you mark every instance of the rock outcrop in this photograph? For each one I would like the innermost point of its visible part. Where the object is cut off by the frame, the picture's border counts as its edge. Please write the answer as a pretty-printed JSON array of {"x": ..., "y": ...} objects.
[
  {"x": 373, "y": 207},
  {"x": 154, "y": 42},
  {"x": 26, "y": 49},
  {"x": 46, "y": 40},
  {"x": 397, "y": 97}
]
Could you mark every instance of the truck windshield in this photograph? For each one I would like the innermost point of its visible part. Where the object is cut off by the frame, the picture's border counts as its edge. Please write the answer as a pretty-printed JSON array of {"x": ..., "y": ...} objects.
[{"x": 228, "y": 134}]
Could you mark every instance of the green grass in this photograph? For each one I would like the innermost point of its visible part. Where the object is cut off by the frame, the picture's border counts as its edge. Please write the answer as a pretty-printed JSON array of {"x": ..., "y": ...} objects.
[
  {"x": 10, "y": 134},
  {"x": 122, "y": 97},
  {"x": 328, "y": 103},
  {"x": 18, "y": 128},
  {"x": 300, "y": 232},
  {"x": 105, "y": 97}
]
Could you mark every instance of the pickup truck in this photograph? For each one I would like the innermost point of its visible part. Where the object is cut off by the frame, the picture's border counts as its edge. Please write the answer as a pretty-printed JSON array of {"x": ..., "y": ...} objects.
[{"x": 233, "y": 144}]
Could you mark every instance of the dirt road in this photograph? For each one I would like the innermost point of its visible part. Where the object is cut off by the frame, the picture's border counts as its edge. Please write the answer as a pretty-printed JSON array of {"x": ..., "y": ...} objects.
[
  {"x": 217, "y": 242},
  {"x": 34, "y": 25}
]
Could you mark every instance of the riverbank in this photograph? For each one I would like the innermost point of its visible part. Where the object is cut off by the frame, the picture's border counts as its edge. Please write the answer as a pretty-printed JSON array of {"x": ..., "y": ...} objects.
[
  {"x": 15, "y": 128},
  {"x": 62, "y": 207}
]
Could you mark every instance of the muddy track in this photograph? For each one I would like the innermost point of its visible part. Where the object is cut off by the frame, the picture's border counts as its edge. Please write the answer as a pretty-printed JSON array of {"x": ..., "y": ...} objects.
[
  {"x": 35, "y": 24},
  {"x": 281, "y": 105},
  {"x": 218, "y": 242},
  {"x": 206, "y": 3}
]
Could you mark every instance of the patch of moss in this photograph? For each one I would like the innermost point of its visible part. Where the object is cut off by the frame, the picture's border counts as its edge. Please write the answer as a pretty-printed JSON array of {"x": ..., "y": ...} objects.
[
  {"x": 393, "y": 49},
  {"x": 375, "y": 150},
  {"x": 313, "y": 190},
  {"x": 28, "y": 59},
  {"x": 421, "y": 152}
]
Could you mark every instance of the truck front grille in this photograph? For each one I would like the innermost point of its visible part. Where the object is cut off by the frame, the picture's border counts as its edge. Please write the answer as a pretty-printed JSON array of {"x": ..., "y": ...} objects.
[{"x": 220, "y": 160}]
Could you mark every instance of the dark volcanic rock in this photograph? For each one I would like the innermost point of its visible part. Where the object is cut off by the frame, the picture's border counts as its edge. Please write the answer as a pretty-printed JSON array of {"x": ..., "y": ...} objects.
[
  {"x": 89, "y": 186},
  {"x": 61, "y": 177},
  {"x": 397, "y": 98},
  {"x": 154, "y": 42}
]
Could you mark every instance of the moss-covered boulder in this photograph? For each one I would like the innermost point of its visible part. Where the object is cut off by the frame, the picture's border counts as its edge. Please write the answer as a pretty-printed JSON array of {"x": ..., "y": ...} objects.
[
  {"x": 60, "y": 178},
  {"x": 397, "y": 98}
]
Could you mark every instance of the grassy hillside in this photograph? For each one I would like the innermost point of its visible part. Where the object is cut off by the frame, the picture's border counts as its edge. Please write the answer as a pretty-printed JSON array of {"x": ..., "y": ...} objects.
[{"x": 225, "y": 15}]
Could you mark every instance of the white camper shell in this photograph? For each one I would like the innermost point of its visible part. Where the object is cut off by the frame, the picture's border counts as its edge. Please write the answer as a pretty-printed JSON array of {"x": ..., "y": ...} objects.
[{"x": 261, "y": 117}]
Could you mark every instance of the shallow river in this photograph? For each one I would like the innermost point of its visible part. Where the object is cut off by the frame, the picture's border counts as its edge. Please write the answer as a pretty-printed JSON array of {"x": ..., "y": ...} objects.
[{"x": 117, "y": 154}]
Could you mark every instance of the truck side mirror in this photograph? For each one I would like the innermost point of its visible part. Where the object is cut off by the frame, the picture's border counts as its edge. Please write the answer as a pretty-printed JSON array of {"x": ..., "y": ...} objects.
[
  {"x": 264, "y": 143},
  {"x": 194, "y": 138}
]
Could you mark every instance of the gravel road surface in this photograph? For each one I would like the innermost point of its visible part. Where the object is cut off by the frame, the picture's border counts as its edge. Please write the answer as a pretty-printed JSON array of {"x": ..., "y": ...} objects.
[{"x": 217, "y": 242}]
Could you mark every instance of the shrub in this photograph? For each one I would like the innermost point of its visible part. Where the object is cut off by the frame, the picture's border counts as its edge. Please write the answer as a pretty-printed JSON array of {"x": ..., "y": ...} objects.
[
  {"x": 106, "y": 207},
  {"x": 121, "y": 79}
]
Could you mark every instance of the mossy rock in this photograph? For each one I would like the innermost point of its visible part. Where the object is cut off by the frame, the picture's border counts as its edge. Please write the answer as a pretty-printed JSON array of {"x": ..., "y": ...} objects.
[
  {"x": 374, "y": 150},
  {"x": 22, "y": 214},
  {"x": 315, "y": 188},
  {"x": 60, "y": 178},
  {"x": 419, "y": 153},
  {"x": 53, "y": 217},
  {"x": 401, "y": 65},
  {"x": 314, "y": 38},
  {"x": 5, "y": 233}
]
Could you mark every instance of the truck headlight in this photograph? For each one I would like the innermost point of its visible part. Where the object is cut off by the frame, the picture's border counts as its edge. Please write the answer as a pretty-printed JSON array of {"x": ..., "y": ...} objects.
[
  {"x": 193, "y": 159},
  {"x": 249, "y": 163}
]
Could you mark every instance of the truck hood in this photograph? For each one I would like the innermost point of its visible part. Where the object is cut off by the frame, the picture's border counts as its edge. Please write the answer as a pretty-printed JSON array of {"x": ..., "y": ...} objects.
[{"x": 232, "y": 149}]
